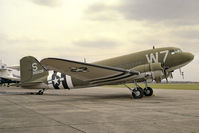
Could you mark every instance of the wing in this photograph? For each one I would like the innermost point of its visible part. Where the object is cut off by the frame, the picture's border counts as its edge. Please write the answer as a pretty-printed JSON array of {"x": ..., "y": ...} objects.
[
  {"x": 10, "y": 78},
  {"x": 8, "y": 75},
  {"x": 86, "y": 71}
]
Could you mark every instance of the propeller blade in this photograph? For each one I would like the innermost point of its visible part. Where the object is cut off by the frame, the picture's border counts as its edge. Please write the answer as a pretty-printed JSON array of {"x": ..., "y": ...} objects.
[
  {"x": 166, "y": 76},
  {"x": 171, "y": 75},
  {"x": 167, "y": 81},
  {"x": 165, "y": 72}
]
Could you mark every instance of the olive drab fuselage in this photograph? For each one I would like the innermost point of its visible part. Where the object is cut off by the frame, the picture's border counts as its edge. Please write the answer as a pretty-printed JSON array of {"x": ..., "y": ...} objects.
[{"x": 149, "y": 64}]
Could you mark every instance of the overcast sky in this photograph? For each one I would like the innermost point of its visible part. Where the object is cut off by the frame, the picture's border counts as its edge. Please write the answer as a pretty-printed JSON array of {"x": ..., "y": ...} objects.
[{"x": 97, "y": 29}]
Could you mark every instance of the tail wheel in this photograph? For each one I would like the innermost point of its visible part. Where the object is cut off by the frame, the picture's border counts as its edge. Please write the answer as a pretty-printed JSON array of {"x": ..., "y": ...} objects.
[
  {"x": 137, "y": 93},
  {"x": 40, "y": 92},
  {"x": 148, "y": 91}
]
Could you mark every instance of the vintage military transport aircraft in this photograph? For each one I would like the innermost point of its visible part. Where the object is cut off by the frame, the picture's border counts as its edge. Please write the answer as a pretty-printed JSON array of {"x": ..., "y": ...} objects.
[
  {"x": 145, "y": 66},
  {"x": 6, "y": 74}
]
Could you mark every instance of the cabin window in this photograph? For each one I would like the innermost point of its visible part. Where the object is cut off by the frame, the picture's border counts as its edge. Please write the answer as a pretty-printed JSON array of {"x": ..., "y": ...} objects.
[{"x": 175, "y": 51}]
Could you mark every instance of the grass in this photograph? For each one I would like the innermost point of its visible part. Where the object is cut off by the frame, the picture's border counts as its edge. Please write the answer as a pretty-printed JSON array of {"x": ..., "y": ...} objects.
[{"x": 166, "y": 86}]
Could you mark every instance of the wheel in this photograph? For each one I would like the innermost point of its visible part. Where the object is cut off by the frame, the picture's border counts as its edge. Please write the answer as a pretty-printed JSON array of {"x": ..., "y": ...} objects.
[
  {"x": 40, "y": 92},
  {"x": 137, "y": 93},
  {"x": 148, "y": 91}
]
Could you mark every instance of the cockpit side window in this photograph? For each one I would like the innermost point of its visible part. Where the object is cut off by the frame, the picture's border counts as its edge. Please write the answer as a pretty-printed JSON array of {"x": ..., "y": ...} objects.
[
  {"x": 172, "y": 52},
  {"x": 175, "y": 51}
]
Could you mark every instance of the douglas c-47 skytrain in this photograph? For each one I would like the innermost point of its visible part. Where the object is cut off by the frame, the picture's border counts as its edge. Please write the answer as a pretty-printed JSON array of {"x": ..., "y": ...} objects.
[{"x": 145, "y": 66}]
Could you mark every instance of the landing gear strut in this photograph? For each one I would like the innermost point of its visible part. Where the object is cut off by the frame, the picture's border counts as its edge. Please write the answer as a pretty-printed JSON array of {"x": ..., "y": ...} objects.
[{"x": 138, "y": 92}]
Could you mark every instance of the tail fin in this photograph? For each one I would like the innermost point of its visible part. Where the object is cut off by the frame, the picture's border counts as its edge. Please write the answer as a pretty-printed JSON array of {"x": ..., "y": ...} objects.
[{"x": 31, "y": 70}]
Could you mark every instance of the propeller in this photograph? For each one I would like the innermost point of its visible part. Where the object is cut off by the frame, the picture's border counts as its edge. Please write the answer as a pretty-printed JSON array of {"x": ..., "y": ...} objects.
[
  {"x": 171, "y": 75},
  {"x": 165, "y": 72}
]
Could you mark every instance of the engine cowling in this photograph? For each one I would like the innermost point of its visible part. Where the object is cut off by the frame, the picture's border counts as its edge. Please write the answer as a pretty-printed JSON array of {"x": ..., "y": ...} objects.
[{"x": 150, "y": 72}]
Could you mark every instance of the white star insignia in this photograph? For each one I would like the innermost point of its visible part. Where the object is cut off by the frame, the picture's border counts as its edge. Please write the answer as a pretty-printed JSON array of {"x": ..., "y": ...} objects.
[{"x": 56, "y": 80}]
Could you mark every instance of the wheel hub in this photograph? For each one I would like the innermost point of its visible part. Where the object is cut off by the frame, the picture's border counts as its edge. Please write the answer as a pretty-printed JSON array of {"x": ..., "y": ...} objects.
[
  {"x": 147, "y": 91},
  {"x": 137, "y": 93}
]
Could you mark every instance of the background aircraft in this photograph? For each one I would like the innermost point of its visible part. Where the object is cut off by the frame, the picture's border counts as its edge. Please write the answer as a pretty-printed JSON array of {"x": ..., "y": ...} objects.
[
  {"x": 145, "y": 66},
  {"x": 6, "y": 74}
]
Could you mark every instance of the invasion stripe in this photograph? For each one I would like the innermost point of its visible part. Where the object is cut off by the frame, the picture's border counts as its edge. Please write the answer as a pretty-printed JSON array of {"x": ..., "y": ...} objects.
[
  {"x": 69, "y": 82},
  {"x": 60, "y": 80},
  {"x": 113, "y": 79},
  {"x": 114, "y": 76},
  {"x": 64, "y": 82}
]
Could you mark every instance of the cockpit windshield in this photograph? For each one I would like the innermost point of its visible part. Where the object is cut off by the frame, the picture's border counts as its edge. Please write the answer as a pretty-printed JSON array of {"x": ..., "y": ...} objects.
[{"x": 175, "y": 51}]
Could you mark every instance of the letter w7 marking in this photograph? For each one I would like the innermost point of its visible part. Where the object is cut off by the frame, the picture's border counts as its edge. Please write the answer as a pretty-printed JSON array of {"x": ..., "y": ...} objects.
[
  {"x": 166, "y": 52},
  {"x": 154, "y": 58}
]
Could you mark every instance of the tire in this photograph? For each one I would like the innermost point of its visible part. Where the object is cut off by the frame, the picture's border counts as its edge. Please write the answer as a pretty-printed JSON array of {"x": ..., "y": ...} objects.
[
  {"x": 137, "y": 93},
  {"x": 148, "y": 91},
  {"x": 39, "y": 93}
]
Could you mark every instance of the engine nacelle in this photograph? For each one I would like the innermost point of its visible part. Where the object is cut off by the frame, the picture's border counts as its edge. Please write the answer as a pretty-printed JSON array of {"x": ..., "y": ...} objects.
[
  {"x": 150, "y": 72},
  {"x": 157, "y": 76},
  {"x": 148, "y": 67}
]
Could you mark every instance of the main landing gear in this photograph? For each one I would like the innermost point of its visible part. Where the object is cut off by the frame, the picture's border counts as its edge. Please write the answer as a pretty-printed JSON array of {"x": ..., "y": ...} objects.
[
  {"x": 148, "y": 91},
  {"x": 139, "y": 92}
]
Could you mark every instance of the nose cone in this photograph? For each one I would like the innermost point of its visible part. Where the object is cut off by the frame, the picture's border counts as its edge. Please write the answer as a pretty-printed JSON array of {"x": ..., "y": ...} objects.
[{"x": 188, "y": 57}]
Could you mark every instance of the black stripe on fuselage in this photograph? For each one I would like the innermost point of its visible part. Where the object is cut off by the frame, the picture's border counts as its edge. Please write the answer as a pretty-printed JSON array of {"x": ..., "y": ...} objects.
[
  {"x": 64, "y": 83},
  {"x": 114, "y": 76},
  {"x": 129, "y": 75}
]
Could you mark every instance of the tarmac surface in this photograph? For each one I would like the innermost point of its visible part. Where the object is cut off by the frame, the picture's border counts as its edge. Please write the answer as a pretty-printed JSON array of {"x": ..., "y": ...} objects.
[{"x": 98, "y": 110}]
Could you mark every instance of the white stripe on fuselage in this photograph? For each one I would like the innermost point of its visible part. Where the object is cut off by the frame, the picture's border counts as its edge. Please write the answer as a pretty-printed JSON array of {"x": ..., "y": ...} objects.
[
  {"x": 69, "y": 82},
  {"x": 60, "y": 80}
]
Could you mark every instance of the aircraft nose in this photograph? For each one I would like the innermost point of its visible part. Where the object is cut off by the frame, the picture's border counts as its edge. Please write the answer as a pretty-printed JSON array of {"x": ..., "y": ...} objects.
[{"x": 188, "y": 56}]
